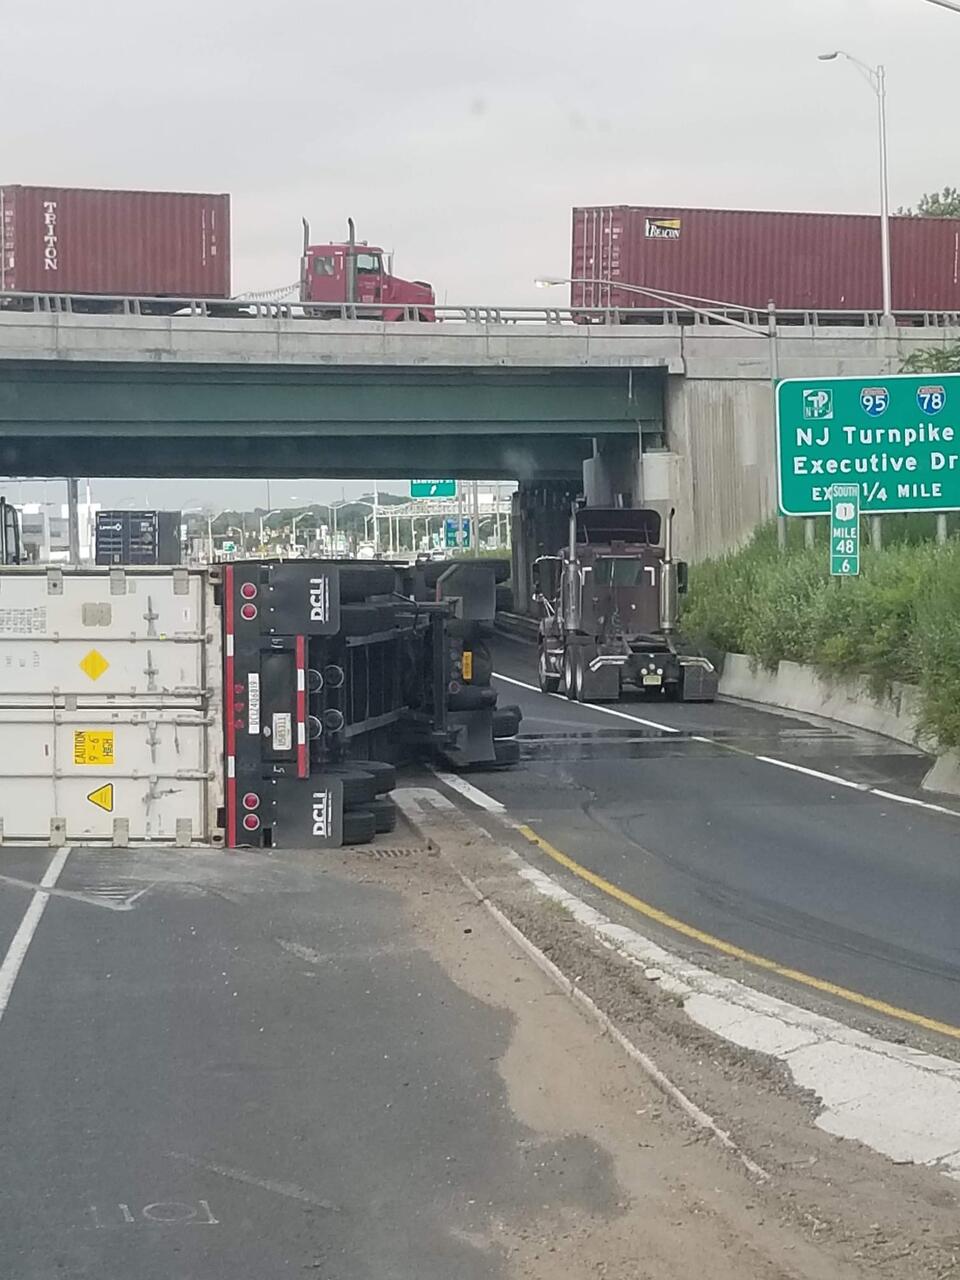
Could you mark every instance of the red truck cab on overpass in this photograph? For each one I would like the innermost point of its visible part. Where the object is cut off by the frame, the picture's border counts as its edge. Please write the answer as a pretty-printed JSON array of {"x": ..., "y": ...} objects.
[{"x": 339, "y": 275}]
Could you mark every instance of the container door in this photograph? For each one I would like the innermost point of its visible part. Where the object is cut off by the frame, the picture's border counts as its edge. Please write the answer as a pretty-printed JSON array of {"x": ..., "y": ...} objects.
[{"x": 130, "y": 637}]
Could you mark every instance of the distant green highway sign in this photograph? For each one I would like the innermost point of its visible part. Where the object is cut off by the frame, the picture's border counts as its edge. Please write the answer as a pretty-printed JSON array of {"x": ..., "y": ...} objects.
[
  {"x": 896, "y": 437},
  {"x": 433, "y": 488}
]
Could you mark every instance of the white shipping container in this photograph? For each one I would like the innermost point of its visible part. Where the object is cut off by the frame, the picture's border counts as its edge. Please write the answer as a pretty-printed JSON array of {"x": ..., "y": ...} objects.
[
  {"x": 110, "y": 706},
  {"x": 98, "y": 635}
]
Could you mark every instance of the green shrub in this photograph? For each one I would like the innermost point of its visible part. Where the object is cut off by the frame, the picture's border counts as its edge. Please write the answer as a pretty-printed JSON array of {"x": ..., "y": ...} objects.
[{"x": 899, "y": 620}]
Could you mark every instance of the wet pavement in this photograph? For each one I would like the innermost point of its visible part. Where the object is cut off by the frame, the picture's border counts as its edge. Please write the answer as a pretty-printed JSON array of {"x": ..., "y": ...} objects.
[{"x": 683, "y": 811}]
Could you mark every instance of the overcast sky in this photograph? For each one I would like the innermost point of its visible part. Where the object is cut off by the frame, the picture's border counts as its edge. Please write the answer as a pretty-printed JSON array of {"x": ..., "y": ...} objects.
[{"x": 460, "y": 134}]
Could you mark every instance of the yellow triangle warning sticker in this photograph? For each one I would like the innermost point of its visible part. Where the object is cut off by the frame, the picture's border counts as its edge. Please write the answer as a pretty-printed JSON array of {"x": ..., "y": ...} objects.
[{"x": 103, "y": 797}]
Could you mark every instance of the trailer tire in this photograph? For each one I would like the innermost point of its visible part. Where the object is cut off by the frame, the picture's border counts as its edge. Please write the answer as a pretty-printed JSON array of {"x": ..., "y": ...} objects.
[
  {"x": 548, "y": 681},
  {"x": 360, "y": 619},
  {"x": 384, "y": 813},
  {"x": 383, "y": 773},
  {"x": 506, "y": 721},
  {"x": 433, "y": 571},
  {"x": 359, "y": 826},
  {"x": 357, "y": 584},
  {"x": 471, "y": 699},
  {"x": 506, "y": 751},
  {"x": 358, "y": 786}
]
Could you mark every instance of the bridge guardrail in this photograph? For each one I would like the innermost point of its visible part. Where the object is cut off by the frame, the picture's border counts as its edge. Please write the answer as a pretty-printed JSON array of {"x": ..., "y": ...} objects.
[{"x": 272, "y": 309}]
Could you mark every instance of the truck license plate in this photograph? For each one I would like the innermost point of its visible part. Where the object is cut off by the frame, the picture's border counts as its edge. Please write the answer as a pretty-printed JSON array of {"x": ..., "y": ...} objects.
[
  {"x": 282, "y": 731},
  {"x": 653, "y": 679}
]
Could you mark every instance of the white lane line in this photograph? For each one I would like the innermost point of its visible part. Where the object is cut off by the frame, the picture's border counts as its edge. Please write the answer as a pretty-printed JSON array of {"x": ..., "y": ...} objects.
[
  {"x": 813, "y": 773},
  {"x": 593, "y": 706},
  {"x": 835, "y": 780},
  {"x": 920, "y": 804},
  {"x": 17, "y": 950},
  {"x": 782, "y": 764},
  {"x": 470, "y": 791}
]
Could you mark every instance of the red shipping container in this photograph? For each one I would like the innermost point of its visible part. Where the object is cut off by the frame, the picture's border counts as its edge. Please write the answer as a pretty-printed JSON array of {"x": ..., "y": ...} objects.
[
  {"x": 798, "y": 261},
  {"x": 137, "y": 243}
]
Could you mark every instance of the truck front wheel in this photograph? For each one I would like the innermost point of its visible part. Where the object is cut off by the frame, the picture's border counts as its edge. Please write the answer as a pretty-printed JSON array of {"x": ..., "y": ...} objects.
[{"x": 548, "y": 681}]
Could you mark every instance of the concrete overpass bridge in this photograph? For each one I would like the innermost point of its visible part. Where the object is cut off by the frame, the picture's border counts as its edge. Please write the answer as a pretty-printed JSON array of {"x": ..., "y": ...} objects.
[{"x": 660, "y": 407}]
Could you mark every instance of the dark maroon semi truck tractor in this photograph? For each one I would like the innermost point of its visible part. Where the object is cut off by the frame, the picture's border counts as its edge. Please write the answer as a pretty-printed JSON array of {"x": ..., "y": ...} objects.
[{"x": 609, "y": 606}]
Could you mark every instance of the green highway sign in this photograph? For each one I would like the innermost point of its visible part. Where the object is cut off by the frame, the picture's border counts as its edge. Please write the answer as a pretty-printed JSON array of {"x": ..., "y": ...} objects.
[
  {"x": 845, "y": 530},
  {"x": 450, "y": 532},
  {"x": 896, "y": 437},
  {"x": 433, "y": 488}
]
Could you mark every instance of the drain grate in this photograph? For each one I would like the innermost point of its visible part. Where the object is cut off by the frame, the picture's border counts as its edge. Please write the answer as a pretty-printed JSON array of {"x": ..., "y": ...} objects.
[{"x": 387, "y": 851}]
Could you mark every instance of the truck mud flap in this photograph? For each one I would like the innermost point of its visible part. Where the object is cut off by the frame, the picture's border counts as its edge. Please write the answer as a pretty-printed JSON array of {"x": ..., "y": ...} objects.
[
  {"x": 697, "y": 684},
  {"x": 473, "y": 741}
]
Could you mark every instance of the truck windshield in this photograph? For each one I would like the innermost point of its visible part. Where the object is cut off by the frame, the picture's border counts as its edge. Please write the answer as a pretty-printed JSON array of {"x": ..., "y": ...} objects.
[
  {"x": 323, "y": 265},
  {"x": 368, "y": 262},
  {"x": 618, "y": 571}
]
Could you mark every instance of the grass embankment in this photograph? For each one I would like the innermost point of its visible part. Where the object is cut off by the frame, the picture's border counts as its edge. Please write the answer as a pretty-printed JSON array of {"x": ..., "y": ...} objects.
[{"x": 899, "y": 620}]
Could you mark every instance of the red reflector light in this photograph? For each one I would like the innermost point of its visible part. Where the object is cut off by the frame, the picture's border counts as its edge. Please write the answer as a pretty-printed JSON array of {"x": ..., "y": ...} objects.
[
  {"x": 251, "y": 822},
  {"x": 251, "y": 800},
  {"x": 248, "y": 590},
  {"x": 248, "y": 612}
]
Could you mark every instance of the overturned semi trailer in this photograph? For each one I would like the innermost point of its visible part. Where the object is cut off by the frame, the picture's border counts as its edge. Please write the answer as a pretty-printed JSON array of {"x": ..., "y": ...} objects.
[{"x": 260, "y": 703}]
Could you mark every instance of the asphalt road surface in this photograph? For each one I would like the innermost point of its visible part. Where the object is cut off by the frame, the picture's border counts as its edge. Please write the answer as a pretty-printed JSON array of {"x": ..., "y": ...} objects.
[
  {"x": 251, "y": 1071},
  {"x": 851, "y": 887}
]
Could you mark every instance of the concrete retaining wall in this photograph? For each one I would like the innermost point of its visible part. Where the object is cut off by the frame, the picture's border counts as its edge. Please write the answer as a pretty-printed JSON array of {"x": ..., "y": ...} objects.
[{"x": 796, "y": 687}]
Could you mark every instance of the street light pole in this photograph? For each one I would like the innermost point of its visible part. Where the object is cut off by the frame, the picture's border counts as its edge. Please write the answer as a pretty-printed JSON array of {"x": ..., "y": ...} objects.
[{"x": 876, "y": 77}]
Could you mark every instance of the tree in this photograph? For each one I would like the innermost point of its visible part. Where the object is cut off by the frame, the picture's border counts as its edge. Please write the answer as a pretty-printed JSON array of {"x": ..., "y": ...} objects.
[
  {"x": 945, "y": 359},
  {"x": 936, "y": 204}
]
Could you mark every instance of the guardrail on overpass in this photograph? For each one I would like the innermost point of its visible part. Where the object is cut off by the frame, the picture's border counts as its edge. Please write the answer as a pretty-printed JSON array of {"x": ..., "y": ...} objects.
[{"x": 265, "y": 309}]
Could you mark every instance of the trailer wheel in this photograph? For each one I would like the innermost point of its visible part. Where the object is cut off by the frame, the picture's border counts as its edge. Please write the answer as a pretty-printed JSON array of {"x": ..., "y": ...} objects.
[
  {"x": 356, "y": 583},
  {"x": 384, "y": 813},
  {"x": 359, "y": 826},
  {"x": 507, "y": 751},
  {"x": 364, "y": 619},
  {"x": 358, "y": 786},
  {"x": 506, "y": 721},
  {"x": 384, "y": 774},
  {"x": 471, "y": 699},
  {"x": 548, "y": 681}
]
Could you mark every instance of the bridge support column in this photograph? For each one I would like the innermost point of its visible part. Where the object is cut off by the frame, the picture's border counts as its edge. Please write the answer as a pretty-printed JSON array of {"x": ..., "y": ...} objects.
[
  {"x": 540, "y": 518},
  {"x": 611, "y": 478}
]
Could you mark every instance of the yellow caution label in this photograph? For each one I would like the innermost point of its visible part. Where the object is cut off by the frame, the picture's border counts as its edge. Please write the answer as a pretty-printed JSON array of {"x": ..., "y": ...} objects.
[
  {"x": 466, "y": 664},
  {"x": 103, "y": 797},
  {"x": 93, "y": 746},
  {"x": 93, "y": 664}
]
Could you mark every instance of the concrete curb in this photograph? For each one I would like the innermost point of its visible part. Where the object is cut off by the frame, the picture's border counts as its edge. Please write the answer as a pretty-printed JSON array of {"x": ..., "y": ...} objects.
[{"x": 901, "y": 1101}]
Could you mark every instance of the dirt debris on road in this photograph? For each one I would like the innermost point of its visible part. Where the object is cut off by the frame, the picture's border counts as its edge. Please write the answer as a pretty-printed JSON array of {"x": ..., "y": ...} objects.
[{"x": 683, "y": 1206}]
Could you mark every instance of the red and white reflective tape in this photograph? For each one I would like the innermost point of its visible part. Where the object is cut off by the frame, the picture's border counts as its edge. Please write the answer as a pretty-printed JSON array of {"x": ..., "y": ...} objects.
[{"x": 303, "y": 758}]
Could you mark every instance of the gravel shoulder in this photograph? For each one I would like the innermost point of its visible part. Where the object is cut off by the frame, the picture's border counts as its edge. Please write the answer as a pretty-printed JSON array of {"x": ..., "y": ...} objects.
[{"x": 830, "y": 1207}]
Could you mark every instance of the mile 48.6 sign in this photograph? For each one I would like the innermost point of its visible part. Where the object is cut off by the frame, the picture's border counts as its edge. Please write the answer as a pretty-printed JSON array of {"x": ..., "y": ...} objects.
[
  {"x": 897, "y": 438},
  {"x": 845, "y": 530}
]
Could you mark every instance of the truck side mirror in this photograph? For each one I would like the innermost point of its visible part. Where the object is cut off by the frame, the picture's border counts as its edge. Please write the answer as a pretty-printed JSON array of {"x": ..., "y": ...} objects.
[{"x": 682, "y": 577}]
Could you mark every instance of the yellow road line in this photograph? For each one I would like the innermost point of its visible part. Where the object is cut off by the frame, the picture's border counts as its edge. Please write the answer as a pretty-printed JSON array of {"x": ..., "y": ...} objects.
[{"x": 730, "y": 948}]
